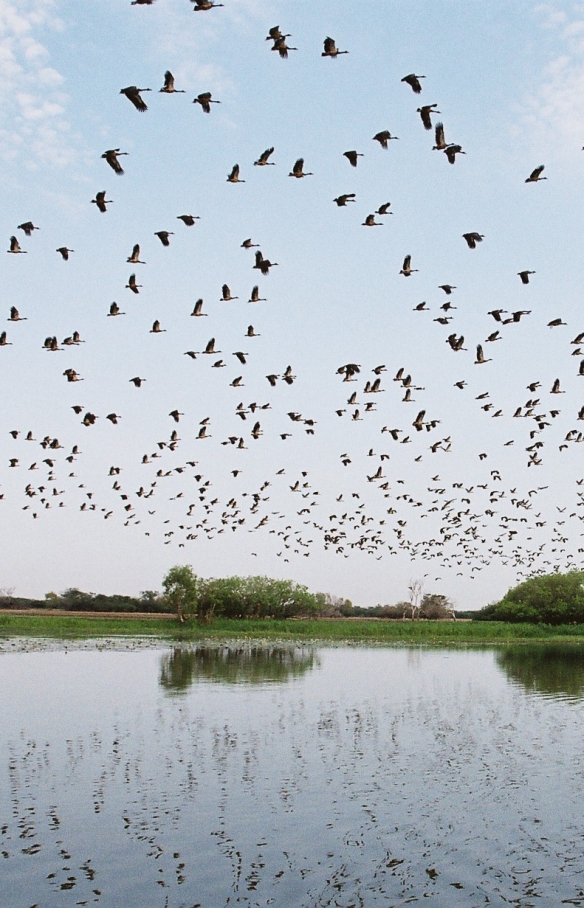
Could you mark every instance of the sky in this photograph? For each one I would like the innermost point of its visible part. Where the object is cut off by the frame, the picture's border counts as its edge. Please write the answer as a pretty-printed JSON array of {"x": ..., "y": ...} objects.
[{"x": 461, "y": 475}]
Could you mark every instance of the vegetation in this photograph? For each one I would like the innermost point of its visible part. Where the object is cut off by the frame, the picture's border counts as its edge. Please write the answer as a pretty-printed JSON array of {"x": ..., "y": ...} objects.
[
  {"x": 554, "y": 599},
  {"x": 325, "y": 630}
]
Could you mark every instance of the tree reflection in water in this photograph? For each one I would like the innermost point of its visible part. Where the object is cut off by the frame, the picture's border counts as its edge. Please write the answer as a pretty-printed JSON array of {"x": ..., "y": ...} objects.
[
  {"x": 553, "y": 670},
  {"x": 234, "y": 664}
]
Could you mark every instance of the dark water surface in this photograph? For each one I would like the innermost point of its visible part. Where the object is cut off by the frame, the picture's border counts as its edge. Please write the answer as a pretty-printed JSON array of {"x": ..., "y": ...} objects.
[{"x": 135, "y": 775}]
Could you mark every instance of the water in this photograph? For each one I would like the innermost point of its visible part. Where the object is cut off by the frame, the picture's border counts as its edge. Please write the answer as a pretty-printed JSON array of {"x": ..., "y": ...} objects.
[{"x": 136, "y": 774}]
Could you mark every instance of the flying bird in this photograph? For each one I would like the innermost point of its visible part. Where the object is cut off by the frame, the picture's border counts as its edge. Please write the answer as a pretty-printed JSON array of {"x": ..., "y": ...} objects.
[
  {"x": 352, "y": 157},
  {"x": 234, "y": 175},
  {"x": 168, "y": 87},
  {"x": 28, "y": 228},
  {"x": 342, "y": 200},
  {"x": 384, "y": 137},
  {"x": 472, "y": 239},
  {"x": 536, "y": 175},
  {"x": 297, "y": 171},
  {"x": 101, "y": 201},
  {"x": 414, "y": 82},
  {"x": 205, "y": 99},
  {"x": 15, "y": 247},
  {"x": 426, "y": 114},
  {"x": 112, "y": 156},
  {"x": 263, "y": 161},
  {"x": 330, "y": 49},
  {"x": 132, "y": 93}
]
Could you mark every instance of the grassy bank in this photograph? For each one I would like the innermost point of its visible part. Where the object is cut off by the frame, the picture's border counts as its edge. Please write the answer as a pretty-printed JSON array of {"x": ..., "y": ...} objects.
[{"x": 391, "y": 632}]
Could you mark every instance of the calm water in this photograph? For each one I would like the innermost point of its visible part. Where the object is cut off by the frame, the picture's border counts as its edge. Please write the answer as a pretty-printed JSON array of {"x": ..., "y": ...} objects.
[{"x": 141, "y": 776}]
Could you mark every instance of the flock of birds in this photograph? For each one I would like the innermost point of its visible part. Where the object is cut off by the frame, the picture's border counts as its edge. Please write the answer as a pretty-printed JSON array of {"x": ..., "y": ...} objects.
[{"x": 473, "y": 523}]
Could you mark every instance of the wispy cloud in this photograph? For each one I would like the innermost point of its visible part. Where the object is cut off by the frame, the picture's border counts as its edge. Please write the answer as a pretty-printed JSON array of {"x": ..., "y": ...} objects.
[
  {"x": 553, "y": 112},
  {"x": 33, "y": 104}
]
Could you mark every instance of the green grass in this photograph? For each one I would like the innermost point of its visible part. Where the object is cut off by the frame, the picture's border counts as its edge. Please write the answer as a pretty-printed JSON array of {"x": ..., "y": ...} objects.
[{"x": 354, "y": 631}]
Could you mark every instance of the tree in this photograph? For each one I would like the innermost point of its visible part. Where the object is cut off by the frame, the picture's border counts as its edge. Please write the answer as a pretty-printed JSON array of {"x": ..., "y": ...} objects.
[
  {"x": 181, "y": 590},
  {"x": 415, "y": 590},
  {"x": 547, "y": 599},
  {"x": 435, "y": 606}
]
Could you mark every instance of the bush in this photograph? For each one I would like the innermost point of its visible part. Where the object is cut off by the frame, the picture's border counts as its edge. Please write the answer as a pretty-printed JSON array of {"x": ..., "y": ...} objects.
[{"x": 550, "y": 599}]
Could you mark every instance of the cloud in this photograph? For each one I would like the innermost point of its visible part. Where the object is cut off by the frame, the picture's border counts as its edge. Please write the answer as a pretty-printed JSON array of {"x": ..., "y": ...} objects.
[
  {"x": 33, "y": 106},
  {"x": 553, "y": 112}
]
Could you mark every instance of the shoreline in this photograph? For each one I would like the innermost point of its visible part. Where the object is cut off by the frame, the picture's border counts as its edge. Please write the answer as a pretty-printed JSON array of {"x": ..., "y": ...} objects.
[{"x": 45, "y": 623}]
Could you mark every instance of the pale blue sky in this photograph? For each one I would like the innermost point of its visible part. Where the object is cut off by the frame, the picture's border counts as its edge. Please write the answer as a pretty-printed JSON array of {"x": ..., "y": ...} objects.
[{"x": 509, "y": 84}]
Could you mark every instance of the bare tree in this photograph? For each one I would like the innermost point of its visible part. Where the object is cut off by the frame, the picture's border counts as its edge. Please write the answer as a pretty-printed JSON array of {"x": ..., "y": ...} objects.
[{"x": 415, "y": 588}]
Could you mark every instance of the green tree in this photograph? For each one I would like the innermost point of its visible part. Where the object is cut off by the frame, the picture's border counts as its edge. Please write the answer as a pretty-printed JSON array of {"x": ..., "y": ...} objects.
[
  {"x": 548, "y": 599},
  {"x": 181, "y": 591}
]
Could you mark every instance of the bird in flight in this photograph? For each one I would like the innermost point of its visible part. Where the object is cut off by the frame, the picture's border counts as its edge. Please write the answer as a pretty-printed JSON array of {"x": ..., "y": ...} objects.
[
  {"x": 426, "y": 114},
  {"x": 101, "y": 201},
  {"x": 536, "y": 175},
  {"x": 384, "y": 137},
  {"x": 205, "y": 100},
  {"x": 262, "y": 161},
  {"x": 472, "y": 239},
  {"x": 298, "y": 170},
  {"x": 168, "y": 87},
  {"x": 111, "y": 156},
  {"x": 233, "y": 177},
  {"x": 132, "y": 93},
  {"x": 352, "y": 157},
  {"x": 330, "y": 48},
  {"x": 342, "y": 200},
  {"x": 414, "y": 82}
]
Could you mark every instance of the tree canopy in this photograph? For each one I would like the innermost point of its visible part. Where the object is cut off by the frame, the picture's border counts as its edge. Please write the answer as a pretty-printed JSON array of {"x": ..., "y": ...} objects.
[{"x": 547, "y": 599}]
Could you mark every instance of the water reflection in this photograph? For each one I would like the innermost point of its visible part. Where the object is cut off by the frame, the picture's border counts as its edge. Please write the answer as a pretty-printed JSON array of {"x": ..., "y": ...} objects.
[
  {"x": 554, "y": 671},
  {"x": 237, "y": 664}
]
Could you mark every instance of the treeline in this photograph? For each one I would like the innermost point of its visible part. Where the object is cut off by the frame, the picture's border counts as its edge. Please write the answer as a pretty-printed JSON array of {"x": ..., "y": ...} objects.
[{"x": 546, "y": 599}]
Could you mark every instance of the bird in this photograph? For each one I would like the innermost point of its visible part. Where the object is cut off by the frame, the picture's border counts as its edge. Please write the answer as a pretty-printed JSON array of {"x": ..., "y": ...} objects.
[
  {"x": 233, "y": 177},
  {"x": 15, "y": 315},
  {"x": 448, "y": 288},
  {"x": 536, "y": 175},
  {"x": 414, "y": 82},
  {"x": 205, "y": 99},
  {"x": 115, "y": 310},
  {"x": 197, "y": 311},
  {"x": 472, "y": 239},
  {"x": 352, "y": 157},
  {"x": 113, "y": 418},
  {"x": 134, "y": 258},
  {"x": 168, "y": 87},
  {"x": 4, "y": 342},
  {"x": 451, "y": 151},
  {"x": 342, "y": 200},
  {"x": 384, "y": 209},
  {"x": 15, "y": 247},
  {"x": 210, "y": 348},
  {"x": 441, "y": 143},
  {"x": 297, "y": 171},
  {"x": 263, "y": 161},
  {"x": 101, "y": 201},
  {"x": 132, "y": 285},
  {"x": 524, "y": 275},
  {"x": 64, "y": 251},
  {"x": 175, "y": 415},
  {"x": 281, "y": 46},
  {"x": 28, "y": 228},
  {"x": 255, "y": 296},
  {"x": 555, "y": 323},
  {"x": 480, "y": 356},
  {"x": 132, "y": 93},
  {"x": 330, "y": 49},
  {"x": 406, "y": 268},
  {"x": 426, "y": 113},
  {"x": 203, "y": 5},
  {"x": 163, "y": 236},
  {"x": 137, "y": 381},
  {"x": 226, "y": 294},
  {"x": 384, "y": 137},
  {"x": 275, "y": 33},
  {"x": 371, "y": 222},
  {"x": 251, "y": 332},
  {"x": 111, "y": 156},
  {"x": 156, "y": 329},
  {"x": 263, "y": 264}
]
